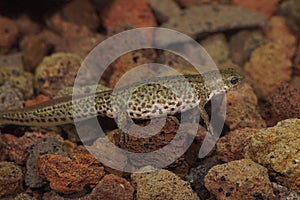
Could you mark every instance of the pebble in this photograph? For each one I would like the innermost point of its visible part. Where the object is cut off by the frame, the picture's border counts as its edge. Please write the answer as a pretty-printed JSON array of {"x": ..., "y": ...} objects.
[
  {"x": 11, "y": 178},
  {"x": 135, "y": 13},
  {"x": 283, "y": 193},
  {"x": 241, "y": 105},
  {"x": 266, "y": 7},
  {"x": 231, "y": 146},
  {"x": 47, "y": 145},
  {"x": 277, "y": 148},
  {"x": 213, "y": 18},
  {"x": 296, "y": 62},
  {"x": 72, "y": 174},
  {"x": 243, "y": 43},
  {"x": 191, "y": 3},
  {"x": 162, "y": 185},
  {"x": 56, "y": 72},
  {"x": 13, "y": 60},
  {"x": 10, "y": 97},
  {"x": 18, "y": 78},
  {"x": 241, "y": 179},
  {"x": 8, "y": 34}
]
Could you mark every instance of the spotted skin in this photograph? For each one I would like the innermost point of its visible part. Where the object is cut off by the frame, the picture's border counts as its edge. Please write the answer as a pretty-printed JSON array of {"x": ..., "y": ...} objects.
[{"x": 142, "y": 100}]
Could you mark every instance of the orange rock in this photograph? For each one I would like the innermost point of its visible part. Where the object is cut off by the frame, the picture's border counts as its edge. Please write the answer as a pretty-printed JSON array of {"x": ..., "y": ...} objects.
[
  {"x": 134, "y": 13},
  {"x": 266, "y": 7},
  {"x": 39, "y": 99},
  {"x": 68, "y": 175}
]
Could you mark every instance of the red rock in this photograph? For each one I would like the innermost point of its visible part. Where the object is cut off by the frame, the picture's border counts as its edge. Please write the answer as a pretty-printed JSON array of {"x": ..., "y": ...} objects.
[
  {"x": 231, "y": 146},
  {"x": 241, "y": 179},
  {"x": 39, "y": 99},
  {"x": 112, "y": 187},
  {"x": 266, "y": 7},
  {"x": 242, "y": 109},
  {"x": 8, "y": 34},
  {"x": 284, "y": 104},
  {"x": 68, "y": 175},
  {"x": 134, "y": 13}
]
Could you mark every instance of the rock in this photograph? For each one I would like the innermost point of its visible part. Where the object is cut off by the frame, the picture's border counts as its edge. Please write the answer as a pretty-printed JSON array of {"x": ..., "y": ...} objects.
[
  {"x": 241, "y": 105},
  {"x": 290, "y": 10},
  {"x": 65, "y": 28},
  {"x": 18, "y": 78},
  {"x": 13, "y": 59},
  {"x": 164, "y": 10},
  {"x": 70, "y": 174},
  {"x": 134, "y": 13},
  {"x": 217, "y": 47},
  {"x": 8, "y": 34},
  {"x": 34, "y": 49},
  {"x": 241, "y": 179},
  {"x": 27, "y": 26},
  {"x": 10, "y": 97},
  {"x": 283, "y": 193},
  {"x": 196, "y": 176},
  {"x": 266, "y": 7},
  {"x": 277, "y": 149},
  {"x": 17, "y": 148},
  {"x": 284, "y": 104},
  {"x": 296, "y": 62},
  {"x": 162, "y": 185},
  {"x": 82, "y": 13},
  {"x": 47, "y": 145},
  {"x": 38, "y": 99},
  {"x": 213, "y": 18},
  {"x": 191, "y": 3},
  {"x": 270, "y": 65},
  {"x": 243, "y": 43},
  {"x": 295, "y": 82},
  {"x": 112, "y": 187},
  {"x": 56, "y": 72},
  {"x": 231, "y": 146},
  {"x": 11, "y": 178}
]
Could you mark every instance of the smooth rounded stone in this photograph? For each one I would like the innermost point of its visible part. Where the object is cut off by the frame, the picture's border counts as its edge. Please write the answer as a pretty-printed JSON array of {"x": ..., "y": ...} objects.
[
  {"x": 241, "y": 109},
  {"x": 18, "y": 78},
  {"x": 164, "y": 10},
  {"x": 8, "y": 34},
  {"x": 278, "y": 148},
  {"x": 290, "y": 9},
  {"x": 243, "y": 43},
  {"x": 283, "y": 193},
  {"x": 231, "y": 146},
  {"x": 212, "y": 18},
  {"x": 47, "y": 145},
  {"x": 11, "y": 178},
  {"x": 56, "y": 72},
  {"x": 162, "y": 185},
  {"x": 241, "y": 179},
  {"x": 217, "y": 47}
]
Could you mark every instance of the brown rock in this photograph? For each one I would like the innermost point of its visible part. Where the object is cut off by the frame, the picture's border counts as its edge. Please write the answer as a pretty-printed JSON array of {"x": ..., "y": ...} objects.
[
  {"x": 205, "y": 19},
  {"x": 112, "y": 187},
  {"x": 297, "y": 62},
  {"x": 270, "y": 65},
  {"x": 289, "y": 9},
  {"x": 266, "y": 7},
  {"x": 134, "y": 13},
  {"x": 191, "y": 3},
  {"x": 56, "y": 72},
  {"x": 277, "y": 148},
  {"x": 231, "y": 146},
  {"x": 8, "y": 34},
  {"x": 162, "y": 185},
  {"x": 68, "y": 175},
  {"x": 27, "y": 26},
  {"x": 13, "y": 59},
  {"x": 284, "y": 104},
  {"x": 11, "y": 178},
  {"x": 82, "y": 13},
  {"x": 10, "y": 97},
  {"x": 241, "y": 179},
  {"x": 242, "y": 109},
  {"x": 164, "y": 10},
  {"x": 283, "y": 193}
]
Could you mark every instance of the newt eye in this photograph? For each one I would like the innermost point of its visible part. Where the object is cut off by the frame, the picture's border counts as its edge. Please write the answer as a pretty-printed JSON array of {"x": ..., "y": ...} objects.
[{"x": 234, "y": 80}]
